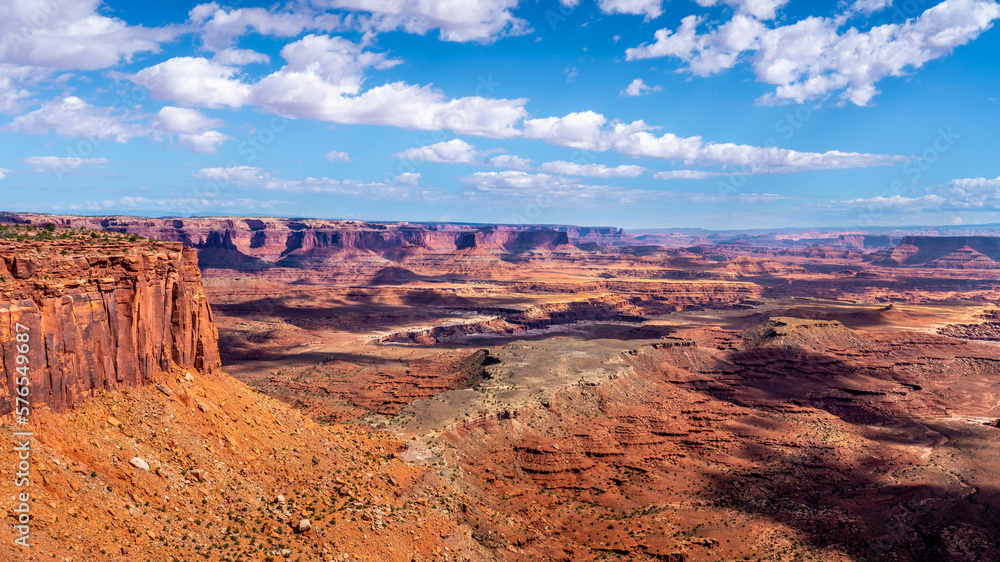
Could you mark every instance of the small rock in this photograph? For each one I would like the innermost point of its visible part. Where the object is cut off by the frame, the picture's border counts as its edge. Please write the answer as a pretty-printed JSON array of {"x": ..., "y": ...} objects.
[
  {"x": 304, "y": 526},
  {"x": 366, "y": 516},
  {"x": 202, "y": 407},
  {"x": 197, "y": 473},
  {"x": 163, "y": 388},
  {"x": 280, "y": 499},
  {"x": 188, "y": 377},
  {"x": 139, "y": 463},
  {"x": 114, "y": 421}
]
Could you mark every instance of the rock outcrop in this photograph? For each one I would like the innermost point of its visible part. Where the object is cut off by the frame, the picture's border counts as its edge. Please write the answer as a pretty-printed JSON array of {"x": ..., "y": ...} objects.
[{"x": 99, "y": 313}]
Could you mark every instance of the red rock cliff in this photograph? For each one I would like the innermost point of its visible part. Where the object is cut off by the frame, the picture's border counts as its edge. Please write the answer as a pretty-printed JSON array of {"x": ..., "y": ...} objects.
[{"x": 100, "y": 314}]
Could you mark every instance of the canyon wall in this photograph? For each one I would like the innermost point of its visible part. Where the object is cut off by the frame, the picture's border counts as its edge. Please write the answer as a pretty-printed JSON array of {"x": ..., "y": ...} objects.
[
  {"x": 250, "y": 244},
  {"x": 99, "y": 315}
]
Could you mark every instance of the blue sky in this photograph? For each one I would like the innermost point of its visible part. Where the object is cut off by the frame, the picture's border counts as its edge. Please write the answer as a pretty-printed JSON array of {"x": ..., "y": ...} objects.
[{"x": 635, "y": 113}]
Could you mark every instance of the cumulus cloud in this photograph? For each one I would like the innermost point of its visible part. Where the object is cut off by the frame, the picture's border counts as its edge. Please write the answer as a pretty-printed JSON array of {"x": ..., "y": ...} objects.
[
  {"x": 649, "y": 8},
  {"x": 194, "y": 129},
  {"x": 3, "y": 173},
  {"x": 13, "y": 79},
  {"x": 73, "y": 117},
  {"x": 456, "y": 20},
  {"x": 812, "y": 57},
  {"x": 510, "y": 161},
  {"x": 761, "y": 9},
  {"x": 194, "y": 81},
  {"x": 870, "y": 6},
  {"x": 205, "y": 142},
  {"x": 586, "y": 131},
  {"x": 575, "y": 130},
  {"x": 591, "y": 170},
  {"x": 184, "y": 120},
  {"x": 239, "y": 57},
  {"x": 220, "y": 27},
  {"x": 47, "y": 164},
  {"x": 335, "y": 156},
  {"x": 323, "y": 78},
  {"x": 70, "y": 35},
  {"x": 639, "y": 88},
  {"x": 455, "y": 151}
]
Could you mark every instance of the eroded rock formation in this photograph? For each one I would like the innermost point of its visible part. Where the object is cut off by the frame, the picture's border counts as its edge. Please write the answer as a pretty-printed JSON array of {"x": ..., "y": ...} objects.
[{"x": 100, "y": 314}]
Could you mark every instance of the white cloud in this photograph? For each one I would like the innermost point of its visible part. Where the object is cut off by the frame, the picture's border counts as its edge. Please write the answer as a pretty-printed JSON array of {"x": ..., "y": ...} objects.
[
  {"x": 3, "y": 173},
  {"x": 194, "y": 129},
  {"x": 591, "y": 170},
  {"x": 510, "y": 161},
  {"x": 336, "y": 63},
  {"x": 704, "y": 54},
  {"x": 13, "y": 78},
  {"x": 585, "y": 131},
  {"x": 760, "y": 9},
  {"x": 649, "y": 8},
  {"x": 811, "y": 58},
  {"x": 194, "y": 81},
  {"x": 47, "y": 164},
  {"x": 73, "y": 117},
  {"x": 455, "y": 151},
  {"x": 870, "y": 6},
  {"x": 70, "y": 35},
  {"x": 239, "y": 57},
  {"x": 205, "y": 142},
  {"x": 335, "y": 156},
  {"x": 458, "y": 20},
  {"x": 221, "y": 27},
  {"x": 973, "y": 194},
  {"x": 184, "y": 120},
  {"x": 323, "y": 78},
  {"x": 403, "y": 186},
  {"x": 575, "y": 130},
  {"x": 639, "y": 88}
]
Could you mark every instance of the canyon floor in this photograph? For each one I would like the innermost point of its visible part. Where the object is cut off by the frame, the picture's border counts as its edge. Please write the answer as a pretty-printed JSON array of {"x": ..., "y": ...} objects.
[{"x": 590, "y": 421}]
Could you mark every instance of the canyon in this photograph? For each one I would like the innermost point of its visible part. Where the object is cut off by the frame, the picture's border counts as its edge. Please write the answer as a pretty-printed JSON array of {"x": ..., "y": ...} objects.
[{"x": 489, "y": 392}]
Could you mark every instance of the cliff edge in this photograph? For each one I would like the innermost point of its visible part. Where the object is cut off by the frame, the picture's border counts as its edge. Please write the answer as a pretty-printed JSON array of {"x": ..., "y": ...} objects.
[{"x": 100, "y": 311}]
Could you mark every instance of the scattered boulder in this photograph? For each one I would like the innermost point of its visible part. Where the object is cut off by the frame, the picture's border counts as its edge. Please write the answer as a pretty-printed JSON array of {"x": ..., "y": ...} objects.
[
  {"x": 197, "y": 474},
  {"x": 114, "y": 421},
  {"x": 304, "y": 526},
  {"x": 163, "y": 388},
  {"x": 139, "y": 463},
  {"x": 188, "y": 377},
  {"x": 280, "y": 499}
]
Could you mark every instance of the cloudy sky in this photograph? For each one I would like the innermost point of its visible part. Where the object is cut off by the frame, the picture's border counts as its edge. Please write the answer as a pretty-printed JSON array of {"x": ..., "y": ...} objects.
[{"x": 634, "y": 113}]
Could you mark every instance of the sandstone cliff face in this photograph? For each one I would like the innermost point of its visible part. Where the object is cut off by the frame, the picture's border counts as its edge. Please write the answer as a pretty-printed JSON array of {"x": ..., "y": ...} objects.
[{"x": 100, "y": 315}]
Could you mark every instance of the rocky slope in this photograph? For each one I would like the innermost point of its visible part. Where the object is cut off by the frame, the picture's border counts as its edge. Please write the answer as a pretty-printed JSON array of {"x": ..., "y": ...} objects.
[{"x": 98, "y": 313}]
